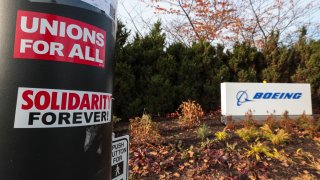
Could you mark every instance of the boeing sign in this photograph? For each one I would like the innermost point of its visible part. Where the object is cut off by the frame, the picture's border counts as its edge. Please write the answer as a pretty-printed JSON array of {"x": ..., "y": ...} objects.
[
  {"x": 277, "y": 95},
  {"x": 243, "y": 97},
  {"x": 262, "y": 99}
]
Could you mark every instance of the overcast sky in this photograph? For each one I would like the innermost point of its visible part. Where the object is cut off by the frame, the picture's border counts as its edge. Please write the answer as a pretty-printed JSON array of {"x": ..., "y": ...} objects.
[
  {"x": 136, "y": 15},
  {"x": 139, "y": 18}
]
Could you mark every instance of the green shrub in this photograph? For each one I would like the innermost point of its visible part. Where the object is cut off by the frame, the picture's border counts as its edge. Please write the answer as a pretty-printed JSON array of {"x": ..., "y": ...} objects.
[
  {"x": 203, "y": 132},
  {"x": 115, "y": 120}
]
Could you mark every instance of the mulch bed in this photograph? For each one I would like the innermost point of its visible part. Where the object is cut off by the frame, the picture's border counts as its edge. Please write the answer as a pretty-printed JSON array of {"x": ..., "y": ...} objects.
[{"x": 180, "y": 154}]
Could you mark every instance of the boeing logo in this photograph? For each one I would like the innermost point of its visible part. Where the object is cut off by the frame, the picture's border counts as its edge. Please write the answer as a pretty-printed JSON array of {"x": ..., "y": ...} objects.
[
  {"x": 243, "y": 97},
  {"x": 277, "y": 95}
]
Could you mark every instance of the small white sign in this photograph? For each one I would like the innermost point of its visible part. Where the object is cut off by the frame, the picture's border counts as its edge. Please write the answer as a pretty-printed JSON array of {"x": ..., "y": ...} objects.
[
  {"x": 120, "y": 157},
  {"x": 265, "y": 98}
]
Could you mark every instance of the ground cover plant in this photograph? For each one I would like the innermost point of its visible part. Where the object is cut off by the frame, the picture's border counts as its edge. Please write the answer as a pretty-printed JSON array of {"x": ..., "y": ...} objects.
[{"x": 248, "y": 150}]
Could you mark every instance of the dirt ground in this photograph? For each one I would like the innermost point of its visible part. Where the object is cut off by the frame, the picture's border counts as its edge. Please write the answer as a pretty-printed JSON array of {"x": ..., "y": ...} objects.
[{"x": 181, "y": 154}]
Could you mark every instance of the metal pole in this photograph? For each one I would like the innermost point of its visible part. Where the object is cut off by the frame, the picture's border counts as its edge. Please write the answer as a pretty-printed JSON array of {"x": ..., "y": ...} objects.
[{"x": 56, "y": 73}]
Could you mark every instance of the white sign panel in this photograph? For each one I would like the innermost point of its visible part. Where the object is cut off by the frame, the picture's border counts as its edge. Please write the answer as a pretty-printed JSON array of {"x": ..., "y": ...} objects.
[
  {"x": 265, "y": 98},
  {"x": 120, "y": 157},
  {"x": 54, "y": 108}
]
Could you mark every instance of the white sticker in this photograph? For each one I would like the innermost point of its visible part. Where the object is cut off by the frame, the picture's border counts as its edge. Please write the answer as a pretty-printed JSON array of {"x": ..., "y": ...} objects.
[{"x": 52, "y": 108}]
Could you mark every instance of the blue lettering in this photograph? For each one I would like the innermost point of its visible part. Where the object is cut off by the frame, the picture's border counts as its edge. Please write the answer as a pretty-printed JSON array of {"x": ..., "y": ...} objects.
[
  {"x": 297, "y": 95},
  {"x": 288, "y": 96},
  {"x": 275, "y": 96},
  {"x": 258, "y": 95},
  {"x": 267, "y": 95},
  {"x": 281, "y": 96}
]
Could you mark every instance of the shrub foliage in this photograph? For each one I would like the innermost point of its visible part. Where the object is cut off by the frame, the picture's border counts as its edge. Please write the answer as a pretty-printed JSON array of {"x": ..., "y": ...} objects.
[{"x": 153, "y": 75}]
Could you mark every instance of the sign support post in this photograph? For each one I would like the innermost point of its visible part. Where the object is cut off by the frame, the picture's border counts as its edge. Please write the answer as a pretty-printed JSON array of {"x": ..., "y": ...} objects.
[{"x": 56, "y": 84}]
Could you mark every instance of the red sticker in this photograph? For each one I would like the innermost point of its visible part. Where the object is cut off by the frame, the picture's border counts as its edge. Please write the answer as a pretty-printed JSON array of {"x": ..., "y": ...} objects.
[{"x": 55, "y": 38}]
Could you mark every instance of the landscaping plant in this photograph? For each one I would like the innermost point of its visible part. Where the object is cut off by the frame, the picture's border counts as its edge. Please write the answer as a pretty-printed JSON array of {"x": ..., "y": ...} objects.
[
  {"x": 248, "y": 121},
  {"x": 280, "y": 137},
  {"x": 143, "y": 129},
  {"x": 286, "y": 123},
  {"x": 272, "y": 122},
  {"x": 258, "y": 150},
  {"x": 306, "y": 124},
  {"x": 190, "y": 113},
  {"x": 248, "y": 134},
  {"x": 266, "y": 131},
  {"x": 203, "y": 132},
  {"x": 221, "y": 135},
  {"x": 115, "y": 120}
]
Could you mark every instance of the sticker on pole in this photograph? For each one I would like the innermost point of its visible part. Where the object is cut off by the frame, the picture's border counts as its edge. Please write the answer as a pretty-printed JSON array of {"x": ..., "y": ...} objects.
[
  {"x": 52, "y": 108},
  {"x": 50, "y": 37},
  {"x": 120, "y": 157}
]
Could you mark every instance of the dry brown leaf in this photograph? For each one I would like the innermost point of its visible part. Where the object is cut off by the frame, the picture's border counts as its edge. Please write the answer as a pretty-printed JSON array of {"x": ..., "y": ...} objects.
[
  {"x": 154, "y": 153},
  {"x": 135, "y": 168},
  {"x": 187, "y": 164},
  {"x": 162, "y": 176},
  {"x": 285, "y": 164},
  {"x": 176, "y": 174},
  {"x": 191, "y": 153}
]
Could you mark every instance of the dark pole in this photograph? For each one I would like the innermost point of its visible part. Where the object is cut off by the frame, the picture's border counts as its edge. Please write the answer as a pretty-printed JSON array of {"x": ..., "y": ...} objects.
[{"x": 56, "y": 73}]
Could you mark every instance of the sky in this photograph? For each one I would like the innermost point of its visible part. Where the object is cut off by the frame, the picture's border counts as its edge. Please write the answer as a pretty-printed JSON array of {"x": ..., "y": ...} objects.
[{"x": 138, "y": 17}]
